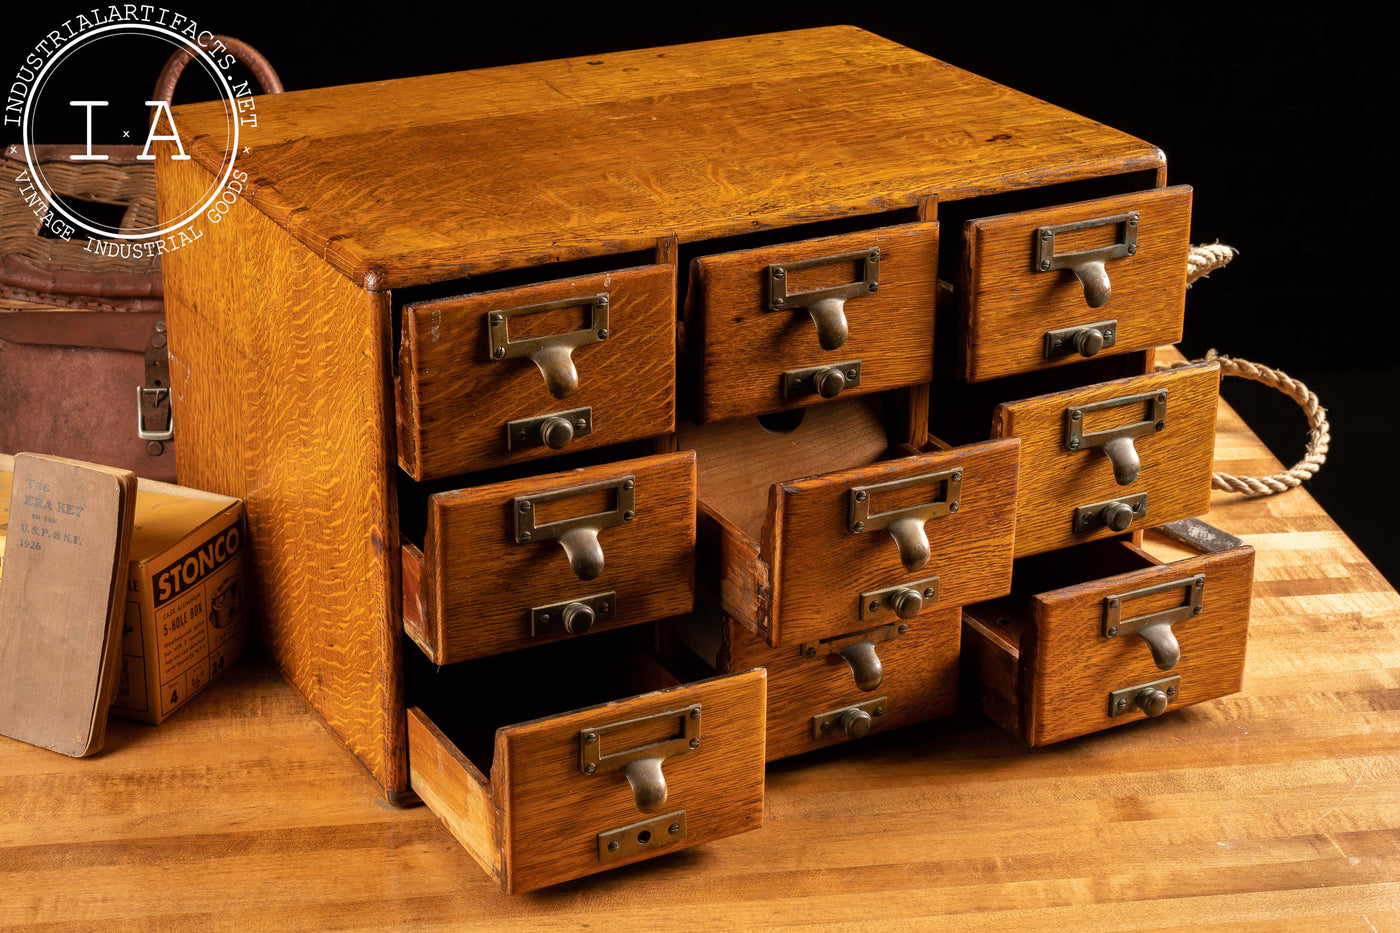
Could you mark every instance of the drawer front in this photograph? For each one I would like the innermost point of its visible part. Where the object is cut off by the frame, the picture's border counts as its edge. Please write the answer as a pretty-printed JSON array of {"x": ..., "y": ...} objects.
[
  {"x": 1098, "y": 277},
  {"x": 1089, "y": 454},
  {"x": 935, "y": 526},
  {"x": 508, "y": 376},
  {"x": 544, "y": 811},
  {"x": 815, "y": 702},
  {"x": 515, "y": 564},
  {"x": 787, "y": 326},
  {"x": 1084, "y": 679}
]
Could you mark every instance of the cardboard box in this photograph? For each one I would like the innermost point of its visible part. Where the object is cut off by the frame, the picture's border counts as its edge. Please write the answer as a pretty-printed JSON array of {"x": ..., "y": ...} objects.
[{"x": 187, "y": 616}]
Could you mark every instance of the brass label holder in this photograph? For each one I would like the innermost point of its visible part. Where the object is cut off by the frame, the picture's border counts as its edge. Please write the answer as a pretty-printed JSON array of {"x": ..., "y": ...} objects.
[
  {"x": 578, "y": 535},
  {"x": 906, "y": 525},
  {"x": 1117, "y": 443},
  {"x": 646, "y": 836},
  {"x": 1151, "y": 698},
  {"x": 1087, "y": 265},
  {"x": 828, "y": 381},
  {"x": 1156, "y": 627},
  {"x": 854, "y": 721},
  {"x": 553, "y": 354},
  {"x": 641, "y": 765},
  {"x": 573, "y": 616},
  {"x": 858, "y": 650},
  {"x": 554, "y": 430},
  {"x": 1115, "y": 514},
  {"x": 825, "y": 305},
  {"x": 905, "y": 600}
]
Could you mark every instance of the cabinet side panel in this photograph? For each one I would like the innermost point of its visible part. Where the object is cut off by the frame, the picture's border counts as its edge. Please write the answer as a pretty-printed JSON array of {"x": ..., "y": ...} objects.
[{"x": 279, "y": 375}]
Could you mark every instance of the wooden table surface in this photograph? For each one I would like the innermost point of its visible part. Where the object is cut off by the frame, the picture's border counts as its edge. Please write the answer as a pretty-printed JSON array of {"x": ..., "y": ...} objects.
[{"x": 1277, "y": 808}]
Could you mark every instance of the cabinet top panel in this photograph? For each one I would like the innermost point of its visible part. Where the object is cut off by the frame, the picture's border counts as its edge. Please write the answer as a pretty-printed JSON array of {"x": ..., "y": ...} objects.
[{"x": 425, "y": 179}]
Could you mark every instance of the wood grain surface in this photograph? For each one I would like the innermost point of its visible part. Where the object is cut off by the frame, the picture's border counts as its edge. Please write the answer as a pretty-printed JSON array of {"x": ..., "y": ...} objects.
[
  {"x": 1175, "y": 462},
  {"x": 1006, "y": 305},
  {"x": 455, "y": 401},
  {"x": 920, "y": 681},
  {"x": 284, "y": 384},
  {"x": 480, "y": 584},
  {"x": 741, "y": 349},
  {"x": 1274, "y": 809},
  {"x": 605, "y": 154}
]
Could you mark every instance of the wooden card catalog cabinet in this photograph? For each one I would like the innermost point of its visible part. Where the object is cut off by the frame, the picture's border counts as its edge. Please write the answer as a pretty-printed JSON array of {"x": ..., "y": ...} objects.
[{"x": 420, "y": 316}]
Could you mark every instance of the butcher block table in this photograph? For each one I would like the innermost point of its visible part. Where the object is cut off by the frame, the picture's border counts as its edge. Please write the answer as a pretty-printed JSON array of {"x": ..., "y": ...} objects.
[{"x": 1276, "y": 808}]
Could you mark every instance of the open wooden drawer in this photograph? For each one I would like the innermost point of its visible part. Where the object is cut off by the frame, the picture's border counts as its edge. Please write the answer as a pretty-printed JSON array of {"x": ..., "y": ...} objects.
[
  {"x": 558, "y": 762},
  {"x": 1047, "y": 287},
  {"x": 813, "y": 699},
  {"x": 502, "y": 377},
  {"x": 782, "y": 327},
  {"x": 1104, "y": 634},
  {"x": 809, "y": 529},
  {"x": 543, "y": 558}
]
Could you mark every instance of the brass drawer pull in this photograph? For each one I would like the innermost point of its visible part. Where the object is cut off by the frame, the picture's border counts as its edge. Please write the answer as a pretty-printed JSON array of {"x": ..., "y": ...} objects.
[
  {"x": 579, "y": 535},
  {"x": 553, "y": 354},
  {"x": 1088, "y": 265},
  {"x": 858, "y": 650},
  {"x": 855, "y": 722},
  {"x": 641, "y": 765},
  {"x": 906, "y": 525},
  {"x": 1117, "y": 443},
  {"x": 1150, "y": 698},
  {"x": 554, "y": 430},
  {"x": 1085, "y": 339},
  {"x": 573, "y": 616},
  {"x": 1114, "y": 514},
  {"x": 827, "y": 381},
  {"x": 827, "y": 306},
  {"x": 1156, "y": 627},
  {"x": 905, "y": 600}
]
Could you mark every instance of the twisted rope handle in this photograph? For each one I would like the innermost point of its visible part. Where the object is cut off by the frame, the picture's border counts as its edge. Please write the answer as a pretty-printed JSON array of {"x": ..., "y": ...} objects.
[{"x": 1201, "y": 261}]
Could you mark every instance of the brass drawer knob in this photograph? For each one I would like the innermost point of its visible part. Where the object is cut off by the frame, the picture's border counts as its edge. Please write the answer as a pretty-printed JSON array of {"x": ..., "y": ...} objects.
[
  {"x": 829, "y": 383},
  {"x": 855, "y": 722},
  {"x": 1118, "y": 516},
  {"x": 907, "y": 603},
  {"x": 1089, "y": 341},
  {"x": 556, "y": 432},
  {"x": 1153, "y": 702},
  {"x": 578, "y": 618}
]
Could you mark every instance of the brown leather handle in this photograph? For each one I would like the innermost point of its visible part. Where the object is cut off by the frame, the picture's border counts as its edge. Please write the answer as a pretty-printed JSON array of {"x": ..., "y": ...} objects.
[{"x": 261, "y": 68}]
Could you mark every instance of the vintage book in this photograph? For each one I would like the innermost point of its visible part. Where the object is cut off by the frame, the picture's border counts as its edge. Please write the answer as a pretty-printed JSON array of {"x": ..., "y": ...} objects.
[{"x": 61, "y": 600}]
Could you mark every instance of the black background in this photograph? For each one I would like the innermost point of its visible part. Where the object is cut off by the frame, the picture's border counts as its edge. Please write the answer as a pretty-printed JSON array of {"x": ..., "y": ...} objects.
[{"x": 1280, "y": 123}]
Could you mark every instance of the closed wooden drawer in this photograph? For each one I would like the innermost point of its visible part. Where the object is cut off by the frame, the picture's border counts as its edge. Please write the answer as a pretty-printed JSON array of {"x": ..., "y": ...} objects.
[
  {"x": 1112, "y": 457},
  {"x": 822, "y": 694},
  {"x": 545, "y": 558},
  {"x": 539, "y": 796},
  {"x": 507, "y": 376},
  {"x": 1101, "y": 635},
  {"x": 1048, "y": 287},
  {"x": 799, "y": 533},
  {"x": 787, "y": 326}
]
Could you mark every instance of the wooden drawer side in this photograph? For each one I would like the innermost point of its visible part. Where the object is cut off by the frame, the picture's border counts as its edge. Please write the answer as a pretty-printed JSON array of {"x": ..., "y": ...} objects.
[
  {"x": 1075, "y": 665},
  {"x": 553, "y": 812},
  {"x": 455, "y": 790}
]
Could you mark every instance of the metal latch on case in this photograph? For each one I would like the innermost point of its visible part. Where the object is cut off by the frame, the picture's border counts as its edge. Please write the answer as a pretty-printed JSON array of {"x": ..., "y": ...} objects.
[
  {"x": 641, "y": 764},
  {"x": 1156, "y": 627},
  {"x": 1088, "y": 265},
  {"x": 827, "y": 381},
  {"x": 853, "y": 721},
  {"x": 1117, "y": 443},
  {"x": 906, "y": 525},
  {"x": 573, "y": 616},
  {"x": 155, "y": 416},
  {"x": 1150, "y": 698},
  {"x": 858, "y": 650},
  {"x": 579, "y": 535},
  {"x": 825, "y": 305},
  {"x": 553, "y": 354},
  {"x": 1114, "y": 514}
]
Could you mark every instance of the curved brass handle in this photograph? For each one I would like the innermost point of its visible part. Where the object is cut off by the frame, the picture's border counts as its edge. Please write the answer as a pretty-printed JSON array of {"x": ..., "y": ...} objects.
[
  {"x": 829, "y": 314},
  {"x": 1156, "y": 627},
  {"x": 865, "y": 664},
  {"x": 1161, "y": 641},
  {"x": 906, "y": 525},
  {"x": 912, "y": 540},
  {"x": 556, "y": 364},
  {"x": 648, "y": 783},
  {"x": 1093, "y": 276},
  {"x": 1124, "y": 457},
  {"x": 584, "y": 552}
]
